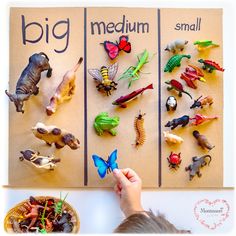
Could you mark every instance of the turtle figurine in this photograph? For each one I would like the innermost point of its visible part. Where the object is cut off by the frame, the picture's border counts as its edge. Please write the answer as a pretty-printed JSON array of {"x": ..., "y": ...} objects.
[
  {"x": 175, "y": 61},
  {"x": 210, "y": 66}
]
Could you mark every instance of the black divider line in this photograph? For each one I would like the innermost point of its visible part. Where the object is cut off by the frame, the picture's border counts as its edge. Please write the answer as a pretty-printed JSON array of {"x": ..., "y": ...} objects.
[
  {"x": 85, "y": 102},
  {"x": 159, "y": 93}
]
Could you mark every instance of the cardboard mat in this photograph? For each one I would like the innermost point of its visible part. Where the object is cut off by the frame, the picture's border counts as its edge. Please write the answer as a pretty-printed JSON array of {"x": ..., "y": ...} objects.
[{"x": 65, "y": 35}]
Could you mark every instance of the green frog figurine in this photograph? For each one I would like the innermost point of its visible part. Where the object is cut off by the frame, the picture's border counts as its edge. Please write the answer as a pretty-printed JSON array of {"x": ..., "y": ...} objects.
[{"x": 105, "y": 123}]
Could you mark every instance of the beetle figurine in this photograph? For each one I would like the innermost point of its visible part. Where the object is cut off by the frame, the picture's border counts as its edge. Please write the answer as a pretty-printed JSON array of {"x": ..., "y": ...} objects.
[
  {"x": 174, "y": 160},
  {"x": 200, "y": 102},
  {"x": 171, "y": 103}
]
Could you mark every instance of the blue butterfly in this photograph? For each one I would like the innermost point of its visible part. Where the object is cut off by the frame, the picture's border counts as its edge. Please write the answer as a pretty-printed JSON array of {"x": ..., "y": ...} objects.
[{"x": 105, "y": 166}]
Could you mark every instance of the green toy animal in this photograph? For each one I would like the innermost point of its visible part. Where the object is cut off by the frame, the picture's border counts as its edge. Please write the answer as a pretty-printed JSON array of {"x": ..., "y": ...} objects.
[
  {"x": 105, "y": 123},
  {"x": 175, "y": 61}
]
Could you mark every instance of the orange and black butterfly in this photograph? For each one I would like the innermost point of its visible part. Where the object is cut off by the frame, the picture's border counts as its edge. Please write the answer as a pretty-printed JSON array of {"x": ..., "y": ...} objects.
[{"x": 113, "y": 49}]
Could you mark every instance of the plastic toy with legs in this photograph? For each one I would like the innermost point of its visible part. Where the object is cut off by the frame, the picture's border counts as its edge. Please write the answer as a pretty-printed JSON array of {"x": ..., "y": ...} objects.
[
  {"x": 52, "y": 134},
  {"x": 171, "y": 103},
  {"x": 176, "y": 85},
  {"x": 204, "y": 44},
  {"x": 175, "y": 46},
  {"x": 174, "y": 160},
  {"x": 172, "y": 138},
  {"x": 65, "y": 89},
  {"x": 198, "y": 162},
  {"x": 202, "y": 140},
  {"x": 210, "y": 66},
  {"x": 140, "y": 131},
  {"x": 183, "y": 120},
  {"x": 132, "y": 73},
  {"x": 30, "y": 77},
  {"x": 103, "y": 123},
  {"x": 200, "y": 102},
  {"x": 199, "y": 119},
  {"x": 38, "y": 161},
  {"x": 175, "y": 61},
  {"x": 105, "y": 77}
]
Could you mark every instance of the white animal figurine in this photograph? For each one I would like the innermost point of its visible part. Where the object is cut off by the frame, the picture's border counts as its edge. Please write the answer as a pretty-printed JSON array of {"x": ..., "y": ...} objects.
[
  {"x": 177, "y": 45},
  {"x": 172, "y": 138}
]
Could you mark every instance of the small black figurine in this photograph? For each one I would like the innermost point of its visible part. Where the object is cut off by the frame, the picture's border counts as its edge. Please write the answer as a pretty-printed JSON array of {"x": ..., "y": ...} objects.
[{"x": 183, "y": 120}]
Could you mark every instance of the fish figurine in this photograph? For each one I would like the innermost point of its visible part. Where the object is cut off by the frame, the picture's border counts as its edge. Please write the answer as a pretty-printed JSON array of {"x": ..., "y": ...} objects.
[{"x": 121, "y": 101}]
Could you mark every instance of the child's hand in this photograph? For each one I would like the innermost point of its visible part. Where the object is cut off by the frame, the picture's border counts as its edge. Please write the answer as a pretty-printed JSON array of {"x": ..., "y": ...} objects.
[{"x": 128, "y": 187}]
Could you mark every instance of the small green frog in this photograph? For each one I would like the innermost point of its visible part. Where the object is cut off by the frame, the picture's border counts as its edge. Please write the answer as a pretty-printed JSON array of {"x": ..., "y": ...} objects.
[{"x": 105, "y": 123}]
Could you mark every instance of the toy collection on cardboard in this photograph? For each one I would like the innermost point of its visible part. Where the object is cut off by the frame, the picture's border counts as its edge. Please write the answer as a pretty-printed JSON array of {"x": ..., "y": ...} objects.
[{"x": 105, "y": 78}]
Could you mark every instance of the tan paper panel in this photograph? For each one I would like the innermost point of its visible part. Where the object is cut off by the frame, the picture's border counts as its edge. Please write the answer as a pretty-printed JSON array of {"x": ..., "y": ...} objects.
[
  {"x": 143, "y": 160},
  {"x": 70, "y": 115},
  {"x": 211, "y": 28}
]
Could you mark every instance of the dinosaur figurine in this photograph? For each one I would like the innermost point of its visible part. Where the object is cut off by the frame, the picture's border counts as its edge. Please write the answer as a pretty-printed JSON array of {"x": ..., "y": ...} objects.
[
  {"x": 202, "y": 140},
  {"x": 174, "y": 84},
  {"x": 198, "y": 162},
  {"x": 175, "y": 61},
  {"x": 210, "y": 65},
  {"x": 203, "y": 44},
  {"x": 191, "y": 74},
  {"x": 199, "y": 119},
  {"x": 30, "y": 77}
]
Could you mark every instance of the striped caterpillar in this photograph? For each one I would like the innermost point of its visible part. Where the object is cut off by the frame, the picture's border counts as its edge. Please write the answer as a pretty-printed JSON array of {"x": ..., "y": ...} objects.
[{"x": 140, "y": 132}]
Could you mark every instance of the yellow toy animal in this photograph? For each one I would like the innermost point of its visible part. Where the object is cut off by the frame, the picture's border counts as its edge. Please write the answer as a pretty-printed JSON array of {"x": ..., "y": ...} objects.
[{"x": 65, "y": 90}]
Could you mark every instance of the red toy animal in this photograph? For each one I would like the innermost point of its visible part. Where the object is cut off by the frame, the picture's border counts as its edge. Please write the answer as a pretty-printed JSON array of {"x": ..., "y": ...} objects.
[
  {"x": 199, "y": 119},
  {"x": 174, "y": 160}
]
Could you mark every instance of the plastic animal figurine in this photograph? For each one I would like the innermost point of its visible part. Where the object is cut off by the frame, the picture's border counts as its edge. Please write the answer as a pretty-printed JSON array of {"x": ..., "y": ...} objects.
[
  {"x": 39, "y": 161},
  {"x": 27, "y": 83},
  {"x": 202, "y": 140},
  {"x": 177, "y": 45},
  {"x": 203, "y": 44},
  {"x": 64, "y": 224},
  {"x": 210, "y": 66},
  {"x": 65, "y": 89},
  {"x": 105, "y": 166},
  {"x": 139, "y": 128},
  {"x": 52, "y": 134},
  {"x": 200, "y": 102},
  {"x": 172, "y": 138},
  {"x": 132, "y": 73},
  {"x": 113, "y": 49},
  {"x": 175, "y": 61},
  {"x": 198, "y": 162},
  {"x": 171, "y": 103},
  {"x": 183, "y": 120},
  {"x": 191, "y": 74},
  {"x": 105, "y": 77},
  {"x": 174, "y": 160},
  {"x": 122, "y": 101},
  {"x": 103, "y": 123},
  {"x": 176, "y": 85},
  {"x": 199, "y": 119}
]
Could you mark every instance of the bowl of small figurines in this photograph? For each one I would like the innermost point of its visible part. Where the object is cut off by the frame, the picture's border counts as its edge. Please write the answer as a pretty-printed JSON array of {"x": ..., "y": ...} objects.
[{"x": 42, "y": 215}]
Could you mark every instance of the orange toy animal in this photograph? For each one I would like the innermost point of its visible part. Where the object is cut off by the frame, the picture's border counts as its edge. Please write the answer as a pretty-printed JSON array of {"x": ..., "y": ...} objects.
[
  {"x": 200, "y": 102},
  {"x": 65, "y": 90}
]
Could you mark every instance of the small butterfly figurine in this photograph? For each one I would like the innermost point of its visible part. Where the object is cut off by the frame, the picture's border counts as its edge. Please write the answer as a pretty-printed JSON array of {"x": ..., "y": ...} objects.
[
  {"x": 105, "y": 166},
  {"x": 113, "y": 49}
]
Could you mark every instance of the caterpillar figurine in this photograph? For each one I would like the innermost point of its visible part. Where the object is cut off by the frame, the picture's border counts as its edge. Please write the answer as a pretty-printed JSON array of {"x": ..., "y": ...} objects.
[{"x": 139, "y": 128}]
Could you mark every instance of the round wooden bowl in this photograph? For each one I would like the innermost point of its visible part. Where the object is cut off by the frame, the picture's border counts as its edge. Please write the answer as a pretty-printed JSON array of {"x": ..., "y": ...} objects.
[{"x": 20, "y": 208}]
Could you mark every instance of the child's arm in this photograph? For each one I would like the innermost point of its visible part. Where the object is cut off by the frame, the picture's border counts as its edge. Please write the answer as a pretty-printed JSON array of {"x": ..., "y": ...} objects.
[{"x": 128, "y": 187}]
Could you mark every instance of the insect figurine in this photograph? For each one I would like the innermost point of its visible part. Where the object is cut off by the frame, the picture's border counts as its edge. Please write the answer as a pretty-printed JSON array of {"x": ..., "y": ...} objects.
[
  {"x": 113, "y": 49},
  {"x": 132, "y": 73},
  {"x": 174, "y": 160},
  {"x": 58, "y": 206},
  {"x": 139, "y": 128},
  {"x": 105, "y": 167},
  {"x": 105, "y": 76}
]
